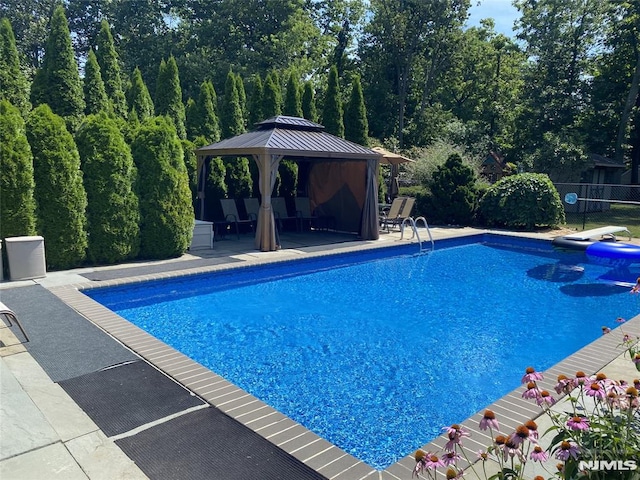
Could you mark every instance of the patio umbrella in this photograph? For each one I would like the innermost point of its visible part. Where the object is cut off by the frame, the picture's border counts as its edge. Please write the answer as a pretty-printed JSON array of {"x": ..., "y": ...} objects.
[{"x": 393, "y": 159}]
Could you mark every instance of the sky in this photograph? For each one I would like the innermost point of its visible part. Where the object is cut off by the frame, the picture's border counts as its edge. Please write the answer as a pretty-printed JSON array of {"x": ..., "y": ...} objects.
[{"x": 503, "y": 13}]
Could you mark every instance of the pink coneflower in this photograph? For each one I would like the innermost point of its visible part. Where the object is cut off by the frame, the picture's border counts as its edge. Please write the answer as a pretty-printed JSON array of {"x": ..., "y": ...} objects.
[
  {"x": 450, "y": 458},
  {"x": 545, "y": 398},
  {"x": 626, "y": 338},
  {"x": 453, "y": 474},
  {"x": 455, "y": 433},
  {"x": 636, "y": 359},
  {"x": 596, "y": 391},
  {"x": 566, "y": 450},
  {"x": 564, "y": 385},
  {"x": 483, "y": 455},
  {"x": 538, "y": 454},
  {"x": 533, "y": 429},
  {"x": 500, "y": 440},
  {"x": 531, "y": 375},
  {"x": 605, "y": 330},
  {"x": 581, "y": 378},
  {"x": 532, "y": 391},
  {"x": 489, "y": 421},
  {"x": 620, "y": 320},
  {"x": 519, "y": 436},
  {"x": 510, "y": 449},
  {"x": 578, "y": 423},
  {"x": 433, "y": 461}
]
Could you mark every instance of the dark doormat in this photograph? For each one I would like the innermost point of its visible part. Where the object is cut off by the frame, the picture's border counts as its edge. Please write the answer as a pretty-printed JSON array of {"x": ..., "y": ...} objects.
[
  {"x": 152, "y": 269},
  {"x": 207, "y": 444},
  {"x": 122, "y": 398}
]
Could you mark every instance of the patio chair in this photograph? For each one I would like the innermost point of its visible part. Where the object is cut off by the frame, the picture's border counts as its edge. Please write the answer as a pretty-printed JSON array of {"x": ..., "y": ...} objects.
[
  {"x": 304, "y": 214},
  {"x": 231, "y": 216},
  {"x": 391, "y": 216},
  {"x": 252, "y": 206},
  {"x": 280, "y": 212}
]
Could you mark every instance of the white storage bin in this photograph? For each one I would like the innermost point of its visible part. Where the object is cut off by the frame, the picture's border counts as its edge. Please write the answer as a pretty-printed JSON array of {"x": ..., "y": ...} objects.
[
  {"x": 202, "y": 235},
  {"x": 26, "y": 257}
]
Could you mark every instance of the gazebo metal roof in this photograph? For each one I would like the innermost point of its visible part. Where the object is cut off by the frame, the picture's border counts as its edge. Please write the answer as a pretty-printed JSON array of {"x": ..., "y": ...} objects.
[{"x": 291, "y": 137}]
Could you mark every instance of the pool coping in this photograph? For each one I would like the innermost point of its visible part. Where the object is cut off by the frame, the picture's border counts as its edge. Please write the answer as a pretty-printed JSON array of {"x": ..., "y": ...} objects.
[{"x": 314, "y": 451}]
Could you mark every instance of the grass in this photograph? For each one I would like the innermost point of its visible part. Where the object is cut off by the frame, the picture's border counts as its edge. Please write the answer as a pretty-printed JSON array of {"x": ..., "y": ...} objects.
[{"x": 619, "y": 214}]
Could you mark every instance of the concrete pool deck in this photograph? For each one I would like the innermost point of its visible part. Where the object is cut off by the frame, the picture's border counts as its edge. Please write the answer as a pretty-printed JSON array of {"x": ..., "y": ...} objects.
[{"x": 54, "y": 438}]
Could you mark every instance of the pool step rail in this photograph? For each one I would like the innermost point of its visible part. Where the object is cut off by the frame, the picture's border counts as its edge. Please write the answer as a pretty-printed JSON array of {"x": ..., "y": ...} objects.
[{"x": 413, "y": 223}]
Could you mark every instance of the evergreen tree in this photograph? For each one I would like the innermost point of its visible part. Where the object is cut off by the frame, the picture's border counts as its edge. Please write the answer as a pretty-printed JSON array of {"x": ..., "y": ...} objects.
[
  {"x": 17, "y": 203},
  {"x": 255, "y": 102},
  {"x": 191, "y": 163},
  {"x": 110, "y": 69},
  {"x": 309, "y": 103},
  {"x": 109, "y": 178},
  {"x": 169, "y": 95},
  {"x": 215, "y": 189},
  {"x": 192, "y": 119},
  {"x": 60, "y": 197},
  {"x": 58, "y": 84},
  {"x": 453, "y": 192},
  {"x": 231, "y": 120},
  {"x": 242, "y": 98},
  {"x": 202, "y": 120},
  {"x": 139, "y": 98},
  {"x": 166, "y": 211},
  {"x": 14, "y": 85},
  {"x": 95, "y": 95},
  {"x": 288, "y": 173},
  {"x": 292, "y": 101},
  {"x": 271, "y": 98},
  {"x": 332, "y": 112},
  {"x": 356, "y": 127}
]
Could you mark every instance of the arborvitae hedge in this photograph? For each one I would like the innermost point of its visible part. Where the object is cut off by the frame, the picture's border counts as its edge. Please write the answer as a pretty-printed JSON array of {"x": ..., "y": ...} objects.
[
  {"x": 109, "y": 176},
  {"x": 110, "y": 69},
  {"x": 332, "y": 112},
  {"x": 309, "y": 103},
  {"x": 242, "y": 98},
  {"x": 166, "y": 224},
  {"x": 191, "y": 164},
  {"x": 292, "y": 102},
  {"x": 17, "y": 203},
  {"x": 95, "y": 95},
  {"x": 215, "y": 188},
  {"x": 169, "y": 95},
  {"x": 271, "y": 97},
  {"x": 231, "y": 119},
  {"x": 255, "y": 102},
  {"x": 14, "y": 85},
  {"x": 202, "y": 120},
  {"x": 58, "y": 82},
  {"x": 453, "y": 192},
  {"x": 61, "y": 200},
  {"x": 288, "y": 172},
  {"x": 139, "y": 98},
  {"x": 356, "y": 127}
]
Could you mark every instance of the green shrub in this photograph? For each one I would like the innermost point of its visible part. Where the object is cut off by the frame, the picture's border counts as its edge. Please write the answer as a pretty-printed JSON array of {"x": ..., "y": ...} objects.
[
  {"x": 17, "y": 203},
  {"x": 166, "y": 224},
  {"x": 238, "y": 177},
  {"x": 61, "y": 200},
  {"x": 109, "y": 176},
  {"x": 288, "y": 171},
  {"x": 453, "y": 192},
  {"x": 215, "y": 188},
  {"x": 526, "y": 200}
]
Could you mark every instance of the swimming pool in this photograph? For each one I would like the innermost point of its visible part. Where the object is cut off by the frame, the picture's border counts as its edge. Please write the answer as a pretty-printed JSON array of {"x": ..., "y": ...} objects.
[{"x": 365, "y": 353}]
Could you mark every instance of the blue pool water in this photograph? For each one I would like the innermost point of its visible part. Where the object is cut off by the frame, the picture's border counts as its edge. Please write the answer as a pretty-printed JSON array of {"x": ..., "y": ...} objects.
[{"x": 377, "y": 356}]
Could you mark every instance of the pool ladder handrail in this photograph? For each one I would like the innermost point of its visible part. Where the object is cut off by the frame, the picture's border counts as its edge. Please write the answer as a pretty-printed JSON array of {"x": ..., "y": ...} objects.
[{"x": 414, "y": 231}]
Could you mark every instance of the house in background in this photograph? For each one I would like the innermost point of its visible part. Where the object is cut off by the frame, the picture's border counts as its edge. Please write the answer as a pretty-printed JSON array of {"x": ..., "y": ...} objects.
[{"x": 493, "y": 167}]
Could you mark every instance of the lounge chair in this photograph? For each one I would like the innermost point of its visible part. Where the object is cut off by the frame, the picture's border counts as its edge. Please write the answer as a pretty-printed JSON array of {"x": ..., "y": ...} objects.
[
  {"x": 304, "y": 214},
  {"x": 280, "y": 212},
  {"x": 391, "y": 215},
  {"x": 231, "y": 216},
  {"x": 252, "y": 206}
]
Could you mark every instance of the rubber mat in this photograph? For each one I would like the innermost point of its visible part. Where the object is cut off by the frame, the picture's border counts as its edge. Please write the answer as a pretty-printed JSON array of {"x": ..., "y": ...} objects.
[
  {"x": 122, "y": 398},
  {"x": 207, "y": 444},
  {"x": 61, "y": 340},
  {"x": 156, "y": 268}
]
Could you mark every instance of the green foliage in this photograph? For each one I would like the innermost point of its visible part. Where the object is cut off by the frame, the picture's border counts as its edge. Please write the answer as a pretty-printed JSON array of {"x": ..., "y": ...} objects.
[
  {"x": 332, "y": 112},
  {"x": 191, "y": 163},
  {"x": 14, "y": 85},
  {"x": 110, "y": 69},
  {"x": 95, "y": 95},
  {"x": 60, "y": 197},
  {"x": 242, "y": 98},
  {"x": 17, "y": 203},
  {"x": 202, "y": 120},
  {"x": 288, "y": 171},
  {"x": 238, "y": 177},
  {"x": 292, "y": 102},
  {"x": 215, "y": 189},
  {"x": 356, "y": 127},
  {"x": 562, "y": 158},
  {"x": 169, "y": 95},
  {"x": 109, "y": 176},
  {"x": 139, "y": 98},
  {"x": 453, "y": 192},
  {"x": 309, "y": 110},
  {"x": 526, "y": 200},
  {"x": 58, "y": 84},
  {"x": 428, "y": 159},
  {"x": 271, "y": 97},
  {"x": 255, "y": 102},
  {"x": 166, "y": 212},
  {"x": 231, "y": 119}
]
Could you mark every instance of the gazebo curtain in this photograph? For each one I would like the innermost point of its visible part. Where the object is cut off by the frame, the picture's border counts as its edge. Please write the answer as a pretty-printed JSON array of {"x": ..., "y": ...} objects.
[{"x": 266, "y": 239}]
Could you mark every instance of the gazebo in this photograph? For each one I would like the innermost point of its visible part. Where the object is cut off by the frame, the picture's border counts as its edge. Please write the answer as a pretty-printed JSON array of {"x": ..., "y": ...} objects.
[{"x": 342, "y": 178}]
